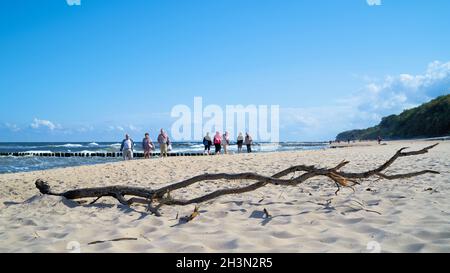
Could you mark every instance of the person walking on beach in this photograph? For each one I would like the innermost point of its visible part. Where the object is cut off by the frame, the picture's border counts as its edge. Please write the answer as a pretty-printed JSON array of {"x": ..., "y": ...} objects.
[
  {"x": 240, "y": 141},
  {"x": 225, "y": 142},
  {"x": 207, "y": 142},
  {"x": 147, "y": 145},
  {"x": 127, "y": 148},
  {"x": 379, "y": 139},
  {"x": 217, "y": 143},
  {"x": 248, "y": 142},
  {"x": 163, "y": 140}
]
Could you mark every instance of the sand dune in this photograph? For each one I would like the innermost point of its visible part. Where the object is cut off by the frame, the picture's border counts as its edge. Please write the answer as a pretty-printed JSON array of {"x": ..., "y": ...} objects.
[{"x": 408, "y": 215}]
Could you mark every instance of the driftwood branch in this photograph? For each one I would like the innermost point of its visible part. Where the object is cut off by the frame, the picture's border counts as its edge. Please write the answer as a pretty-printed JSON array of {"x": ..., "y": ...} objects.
[{"x": 156, "y": 198}]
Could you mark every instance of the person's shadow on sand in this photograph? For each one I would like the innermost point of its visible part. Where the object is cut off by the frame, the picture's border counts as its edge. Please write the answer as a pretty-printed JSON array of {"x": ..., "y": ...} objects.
[{"x": 259, "y": 214}]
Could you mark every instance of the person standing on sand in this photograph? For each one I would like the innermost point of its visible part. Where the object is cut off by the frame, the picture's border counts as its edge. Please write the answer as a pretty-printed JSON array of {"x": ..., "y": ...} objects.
[
  {"x": 127, "y": 148},
  {"x": 225, "y": 142},
  {"x": 217, "y": 143},
  {"x": 248, "y": 141},
  {"x": 379, "y": 139},
  {"x": 163, "y": 140},
  {"x": 147, "y": 145},
  {"x": 207, "y": 142},
  {"x": 240, "y": 141}
]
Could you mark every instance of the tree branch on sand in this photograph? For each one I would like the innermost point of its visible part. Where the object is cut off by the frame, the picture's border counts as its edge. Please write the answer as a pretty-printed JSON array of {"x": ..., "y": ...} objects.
[{"x": 154, "y": 199}]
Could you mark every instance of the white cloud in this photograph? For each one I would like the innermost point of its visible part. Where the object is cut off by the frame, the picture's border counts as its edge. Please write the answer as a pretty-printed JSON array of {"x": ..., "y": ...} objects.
[
  {"x": 374, "y": 2},
  {"x": 73, "y": 2},
  {"x": 367, "y": 106},
  {"x": 84, "y": 129},
  {"x": 12, "y": 127},
  {"x": 38, "y": 123},
  {"x": 116, "y": 128},
  {"x": 395, "y": 93},
  {"x": 121, "y": 128},
  {"x": 133, "y": 128}
]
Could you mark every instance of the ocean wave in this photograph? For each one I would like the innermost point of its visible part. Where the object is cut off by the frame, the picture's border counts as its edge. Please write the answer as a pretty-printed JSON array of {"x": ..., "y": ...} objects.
[
  {"x": 187, "y": 150},
  {"x": 91, "y": 152},
  {"x": 115, "y": 146},
  {"x": 269, "y": 147},
  {"x": 38, "y": 152},
  {"x": 196, "y": 146},
  {"x": 93, "y": 144},
  {"x": 11, "y": 147},
  {"x": 88, "y": 152},
  {"x": 69, "y": 145}
]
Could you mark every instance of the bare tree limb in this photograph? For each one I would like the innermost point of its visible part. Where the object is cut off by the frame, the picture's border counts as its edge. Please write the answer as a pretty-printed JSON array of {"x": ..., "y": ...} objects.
[{"x": 155, "y": 199}]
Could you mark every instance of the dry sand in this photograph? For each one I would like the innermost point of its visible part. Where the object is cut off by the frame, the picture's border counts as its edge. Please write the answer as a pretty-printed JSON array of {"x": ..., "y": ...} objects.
[{"x": 407, "y": 215}]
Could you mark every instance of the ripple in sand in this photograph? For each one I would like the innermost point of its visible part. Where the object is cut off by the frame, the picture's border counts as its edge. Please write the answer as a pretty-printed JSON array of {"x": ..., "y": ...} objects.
[
  {"x": 29, "y": 222},
  {"x": 350, "y": 220},
  {"x": 283, "y": 235},
  {"x": 223, "y": 245},
  {"x": 429, "y": 235},
  {"x": 413, "y": 247}
]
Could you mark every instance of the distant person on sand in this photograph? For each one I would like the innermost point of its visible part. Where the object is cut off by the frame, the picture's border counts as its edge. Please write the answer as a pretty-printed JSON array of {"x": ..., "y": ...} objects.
[
  {"x": 163, "y": 140},
  {"x": 225, "y": 142},
  {"x": 217, "y": 143},
  {"x": 207, "y": 142},
  {"x": 127, "y": 148},
  {"x": 240, "y": 141},
  {"x": 379, "y": 139},
  {"x": 147, "y": 145},
  {"x": 248, "y": 141}
]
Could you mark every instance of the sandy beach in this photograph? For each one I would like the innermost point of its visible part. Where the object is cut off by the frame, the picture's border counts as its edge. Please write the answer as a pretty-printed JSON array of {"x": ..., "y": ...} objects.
[{"x": 406, "y": 215}]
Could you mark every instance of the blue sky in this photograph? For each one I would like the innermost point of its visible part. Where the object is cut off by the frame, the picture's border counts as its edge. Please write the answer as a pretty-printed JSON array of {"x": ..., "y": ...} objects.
[{"x": 94, "y": 71}]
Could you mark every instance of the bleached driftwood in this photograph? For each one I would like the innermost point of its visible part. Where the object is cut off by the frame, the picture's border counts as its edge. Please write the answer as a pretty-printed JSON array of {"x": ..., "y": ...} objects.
[{"x": 155, "y": 198}]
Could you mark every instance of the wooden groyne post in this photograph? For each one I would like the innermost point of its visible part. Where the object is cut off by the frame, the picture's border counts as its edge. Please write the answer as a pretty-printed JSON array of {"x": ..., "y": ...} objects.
[{"x": 91, "y": 154}]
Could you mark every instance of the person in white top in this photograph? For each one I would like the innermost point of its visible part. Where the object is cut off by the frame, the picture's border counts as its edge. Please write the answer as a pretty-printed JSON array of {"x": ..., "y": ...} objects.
[{"x": 127, "y": 148}]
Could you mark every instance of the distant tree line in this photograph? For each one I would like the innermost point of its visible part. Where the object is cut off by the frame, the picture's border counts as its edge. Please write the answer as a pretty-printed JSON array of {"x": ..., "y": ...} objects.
[{"x": 431, "y": 119}]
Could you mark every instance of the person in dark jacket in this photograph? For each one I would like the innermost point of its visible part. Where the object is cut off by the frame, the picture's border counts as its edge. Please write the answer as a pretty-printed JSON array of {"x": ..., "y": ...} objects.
[
  {"x": 207, "y": 142},
  {"x": 248, "y": 142}
]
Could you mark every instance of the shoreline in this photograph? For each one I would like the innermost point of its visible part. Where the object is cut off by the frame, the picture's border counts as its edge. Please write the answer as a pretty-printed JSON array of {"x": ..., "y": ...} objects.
[
  {"x": 402, "y": 215},
  {"x": 84, "y": 158}
]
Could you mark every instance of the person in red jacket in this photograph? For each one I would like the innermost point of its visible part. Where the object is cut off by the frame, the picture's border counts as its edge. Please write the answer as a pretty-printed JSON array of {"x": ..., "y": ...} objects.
[{"x": 218, "y": 143}]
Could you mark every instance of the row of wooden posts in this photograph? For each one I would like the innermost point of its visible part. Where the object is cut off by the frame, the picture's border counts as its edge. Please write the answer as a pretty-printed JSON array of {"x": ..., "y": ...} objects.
[{"x": 90, "y": 154}]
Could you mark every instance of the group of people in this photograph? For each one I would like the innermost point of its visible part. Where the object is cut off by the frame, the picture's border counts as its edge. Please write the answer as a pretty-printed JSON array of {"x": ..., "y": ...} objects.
[
  {"x": 223, "y": 141},
  {"x": 127, "y": 146},
  {"x": 219, "y": 141}
]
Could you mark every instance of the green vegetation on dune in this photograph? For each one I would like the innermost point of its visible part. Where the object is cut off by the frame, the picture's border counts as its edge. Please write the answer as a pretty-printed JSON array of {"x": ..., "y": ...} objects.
[{"x": 431, "y": 119}]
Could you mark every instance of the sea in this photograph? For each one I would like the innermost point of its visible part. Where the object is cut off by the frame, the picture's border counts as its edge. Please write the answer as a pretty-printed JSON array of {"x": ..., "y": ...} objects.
[{"x": 13, "y": 164}]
